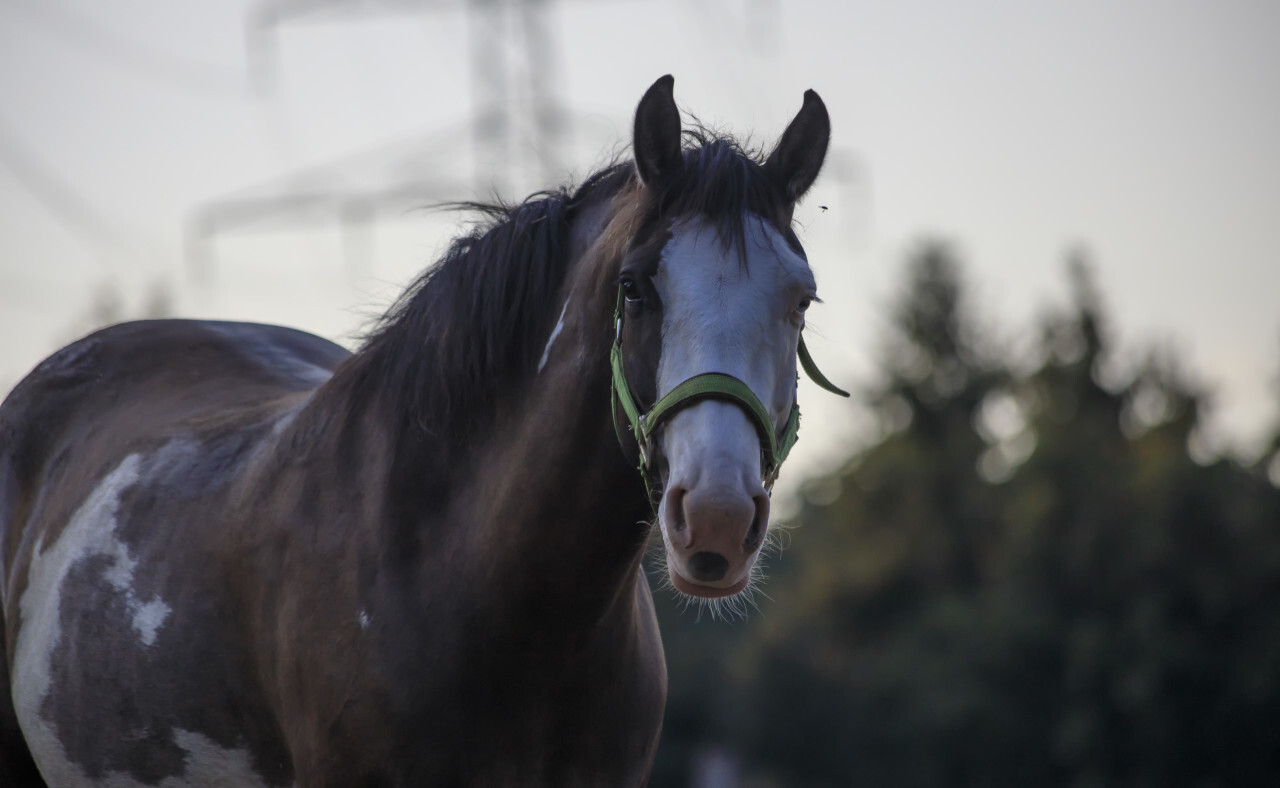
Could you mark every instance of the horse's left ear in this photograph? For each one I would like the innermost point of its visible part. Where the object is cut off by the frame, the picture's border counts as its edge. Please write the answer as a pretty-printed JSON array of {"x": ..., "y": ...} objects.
[{"x": 798, "y": 156}]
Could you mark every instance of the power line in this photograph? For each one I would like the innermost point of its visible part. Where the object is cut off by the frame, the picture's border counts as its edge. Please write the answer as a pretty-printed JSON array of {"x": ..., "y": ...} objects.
[
  {"x": 495, "y": 39},
  {"x": 155, "y": 65},
  {"x": 73, "y": 211},
  {"x": 497, "y": 118}
]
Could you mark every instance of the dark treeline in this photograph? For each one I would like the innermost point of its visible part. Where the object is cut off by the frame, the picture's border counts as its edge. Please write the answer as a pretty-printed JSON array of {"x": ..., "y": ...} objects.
[{"x": 1028, "y": 580}]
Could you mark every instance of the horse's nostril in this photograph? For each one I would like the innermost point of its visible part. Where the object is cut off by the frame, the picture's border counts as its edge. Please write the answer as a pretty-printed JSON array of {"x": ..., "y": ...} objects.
[
  {"x": 677, "y": 508},
  {"x": 708, "y": 567}
]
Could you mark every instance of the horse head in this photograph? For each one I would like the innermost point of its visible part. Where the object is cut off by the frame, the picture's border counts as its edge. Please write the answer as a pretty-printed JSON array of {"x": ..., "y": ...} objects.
[{"x": 712, "y": 289}]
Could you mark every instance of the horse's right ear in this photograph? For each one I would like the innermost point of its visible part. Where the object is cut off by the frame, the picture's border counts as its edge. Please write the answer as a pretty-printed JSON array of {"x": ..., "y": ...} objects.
[{"x": 656, "y": 139}]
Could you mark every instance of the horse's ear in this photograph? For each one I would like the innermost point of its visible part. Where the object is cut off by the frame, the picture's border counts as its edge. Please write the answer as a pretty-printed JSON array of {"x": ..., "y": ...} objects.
[
  {"x": 798, "y": 156},
  {"x": 656, "y": 139}
]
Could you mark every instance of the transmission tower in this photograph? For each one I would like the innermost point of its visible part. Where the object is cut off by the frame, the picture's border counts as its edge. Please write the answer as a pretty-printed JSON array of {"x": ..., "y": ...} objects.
[{"x": 517, "y": 111}]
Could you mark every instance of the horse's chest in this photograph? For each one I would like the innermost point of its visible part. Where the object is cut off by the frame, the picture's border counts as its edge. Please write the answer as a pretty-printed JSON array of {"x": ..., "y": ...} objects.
[{"x": 596, "y": 724}]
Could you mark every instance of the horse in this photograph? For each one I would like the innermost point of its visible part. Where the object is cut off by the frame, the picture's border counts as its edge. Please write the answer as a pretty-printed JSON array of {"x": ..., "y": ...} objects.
[{"x": 237, "y": 554}]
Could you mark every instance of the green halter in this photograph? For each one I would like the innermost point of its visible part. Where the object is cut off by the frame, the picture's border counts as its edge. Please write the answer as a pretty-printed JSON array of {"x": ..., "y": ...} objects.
[{"x": 774, "y": 448}]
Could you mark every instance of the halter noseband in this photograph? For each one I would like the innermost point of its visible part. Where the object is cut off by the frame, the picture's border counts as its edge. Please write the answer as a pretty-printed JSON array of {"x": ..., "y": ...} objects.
[{"x": 774, "y": 448}]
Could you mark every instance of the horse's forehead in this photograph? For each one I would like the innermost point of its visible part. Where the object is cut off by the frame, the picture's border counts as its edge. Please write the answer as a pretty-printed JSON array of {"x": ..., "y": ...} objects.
[
  {"x": 696, "y": 258},
  {"x": 723, "y": 305}
]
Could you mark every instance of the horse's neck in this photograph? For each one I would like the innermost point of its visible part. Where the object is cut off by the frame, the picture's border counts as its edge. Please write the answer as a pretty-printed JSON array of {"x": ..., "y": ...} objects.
[
  {"x": 542, "y": 498},
  {"x": 556, "y": 490},
  {"x": 551, "y": 497}
]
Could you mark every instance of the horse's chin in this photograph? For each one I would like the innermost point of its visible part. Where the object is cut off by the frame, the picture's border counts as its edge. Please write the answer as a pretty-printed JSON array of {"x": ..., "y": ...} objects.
[{"x": 691, "y": 588}]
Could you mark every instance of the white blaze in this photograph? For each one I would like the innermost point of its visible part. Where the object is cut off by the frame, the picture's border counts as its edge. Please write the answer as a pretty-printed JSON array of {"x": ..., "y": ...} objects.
[{"x": 730, "y": 313}]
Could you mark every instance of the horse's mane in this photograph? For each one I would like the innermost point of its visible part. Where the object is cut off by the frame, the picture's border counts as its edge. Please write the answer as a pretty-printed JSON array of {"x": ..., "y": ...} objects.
[
  {"x": 721, "y": 180},
  {"x": 473, "y": 325}
]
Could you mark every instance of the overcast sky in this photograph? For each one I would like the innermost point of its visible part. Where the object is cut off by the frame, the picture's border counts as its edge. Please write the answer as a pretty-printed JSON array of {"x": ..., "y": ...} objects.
[{"x": 1144, "y": 131}]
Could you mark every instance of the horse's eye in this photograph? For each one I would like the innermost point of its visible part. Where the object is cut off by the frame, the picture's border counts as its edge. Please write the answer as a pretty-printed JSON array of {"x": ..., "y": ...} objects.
[
  {"x": 803, "y": 305},
  {"x": 630, "y": 290}
]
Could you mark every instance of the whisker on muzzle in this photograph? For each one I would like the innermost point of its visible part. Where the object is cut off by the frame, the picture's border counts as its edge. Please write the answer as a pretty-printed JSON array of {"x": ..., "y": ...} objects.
[{"x": 736, "y": 607}]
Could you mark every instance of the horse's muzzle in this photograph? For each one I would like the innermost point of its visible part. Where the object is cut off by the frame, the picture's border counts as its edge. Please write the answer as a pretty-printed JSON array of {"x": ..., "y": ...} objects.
[{"x": 714, "y": 532}]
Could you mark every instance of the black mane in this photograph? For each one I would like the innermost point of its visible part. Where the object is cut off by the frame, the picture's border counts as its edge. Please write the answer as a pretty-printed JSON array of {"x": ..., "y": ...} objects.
[
  {"x": 473, "y": 325},
  {"x": 722, "y": 181}
]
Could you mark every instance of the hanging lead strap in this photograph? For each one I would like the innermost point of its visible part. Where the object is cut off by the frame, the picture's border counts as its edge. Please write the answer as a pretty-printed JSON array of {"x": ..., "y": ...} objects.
[{"x": 815, "y": 374}]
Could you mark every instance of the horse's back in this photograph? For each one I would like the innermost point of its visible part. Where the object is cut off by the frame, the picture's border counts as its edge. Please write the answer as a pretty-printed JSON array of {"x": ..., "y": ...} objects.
[
  {"x": 134, "y": 387},
  {"x": 98, "y": 446},
  {"x": 167, "y": 370}
]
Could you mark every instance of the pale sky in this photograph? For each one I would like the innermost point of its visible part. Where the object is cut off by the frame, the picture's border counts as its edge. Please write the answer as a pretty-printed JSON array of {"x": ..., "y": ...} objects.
[{"x": 1145, "y": 131}]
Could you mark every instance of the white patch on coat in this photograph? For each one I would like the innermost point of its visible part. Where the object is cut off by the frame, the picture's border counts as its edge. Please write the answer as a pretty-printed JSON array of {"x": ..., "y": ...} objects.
[
  {"x": 90, "y": 532},
  {"x": 148, "y": 618},
  {"x": 555, "y": 332},
  {"x": 205, "y": 765},
  {"x": 364, "y": 619}
]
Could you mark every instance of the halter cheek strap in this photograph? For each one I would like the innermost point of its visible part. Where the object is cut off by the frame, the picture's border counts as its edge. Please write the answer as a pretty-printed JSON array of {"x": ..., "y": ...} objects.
[{"x": 774, "y": 447}]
